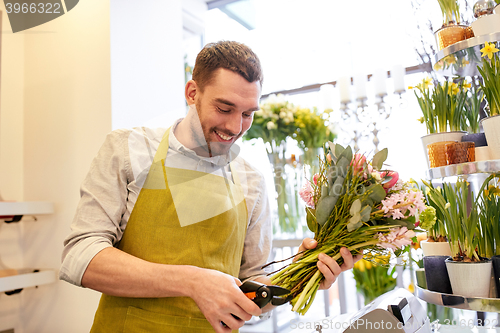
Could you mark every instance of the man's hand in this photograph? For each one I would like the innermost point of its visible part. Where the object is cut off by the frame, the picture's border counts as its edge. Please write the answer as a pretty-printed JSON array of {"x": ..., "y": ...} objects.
[
  {"x": 219, "y": 298},
  {"x": 327, "y": 266}
]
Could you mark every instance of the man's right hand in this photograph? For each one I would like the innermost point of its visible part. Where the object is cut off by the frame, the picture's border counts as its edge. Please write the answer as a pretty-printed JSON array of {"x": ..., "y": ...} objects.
[{"x": 219, "y": 298}]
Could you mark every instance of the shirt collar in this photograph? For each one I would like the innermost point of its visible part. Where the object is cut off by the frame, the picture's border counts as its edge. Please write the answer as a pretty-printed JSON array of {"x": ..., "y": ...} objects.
[{"x": 220, "y": 160}]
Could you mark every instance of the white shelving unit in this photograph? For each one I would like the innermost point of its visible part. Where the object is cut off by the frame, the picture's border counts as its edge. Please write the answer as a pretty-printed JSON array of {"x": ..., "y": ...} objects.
[
  {"x": 15, "y": 280},
  {"x": 26, "y": 278}
]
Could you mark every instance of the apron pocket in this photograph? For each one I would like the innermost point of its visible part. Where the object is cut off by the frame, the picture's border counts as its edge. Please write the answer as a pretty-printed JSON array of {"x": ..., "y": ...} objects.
[{"x": 143, "y": 321}]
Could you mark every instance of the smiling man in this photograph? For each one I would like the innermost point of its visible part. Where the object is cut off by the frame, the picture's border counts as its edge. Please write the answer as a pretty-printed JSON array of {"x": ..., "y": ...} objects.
[{"x": 172, "y": 220}]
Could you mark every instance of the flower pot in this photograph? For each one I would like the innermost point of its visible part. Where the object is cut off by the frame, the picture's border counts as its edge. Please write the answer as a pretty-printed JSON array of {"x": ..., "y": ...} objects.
[
  {"x": 460, "y": 152},
  {"x": 491, "y": 126},
  {"x": 486, "y": 24},
  {"x": 470, "y": 279},
  {"x": 449, "y": 35},
  {"x": 436, "y": 274},
  {"x": 435, "y": 248},
  {"x": 495, "y": 261},
  {"x": 481, "y": 150},
  {"x": 439, "y": 137},
  {"x": 420, "y": 278},
  {"x": 497, "y": 9},
  {"x": 482, "y": 153}
]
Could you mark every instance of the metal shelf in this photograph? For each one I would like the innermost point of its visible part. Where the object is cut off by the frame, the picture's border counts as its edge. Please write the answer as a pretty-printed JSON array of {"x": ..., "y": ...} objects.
[
  {"x": 468, "y": 168},
  {"x": 467, "y": 55},
  {"x": 26, "y": 278},
  {"x": 459, "y": 302}
]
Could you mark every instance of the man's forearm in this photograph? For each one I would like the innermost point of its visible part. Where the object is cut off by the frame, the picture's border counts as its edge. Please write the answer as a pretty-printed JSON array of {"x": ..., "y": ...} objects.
[{"x": 117, "y": 273}]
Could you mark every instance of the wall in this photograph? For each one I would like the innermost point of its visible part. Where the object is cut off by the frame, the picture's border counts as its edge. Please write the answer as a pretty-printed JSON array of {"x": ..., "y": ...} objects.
[
  {"x": 146, "y": 63},
  {"x": 63, "y": 85},
  {"x": 56, "y": 110}
]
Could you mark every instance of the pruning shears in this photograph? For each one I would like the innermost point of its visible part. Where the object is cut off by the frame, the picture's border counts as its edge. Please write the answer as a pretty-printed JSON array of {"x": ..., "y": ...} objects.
[{"x": 262, "y": 294}]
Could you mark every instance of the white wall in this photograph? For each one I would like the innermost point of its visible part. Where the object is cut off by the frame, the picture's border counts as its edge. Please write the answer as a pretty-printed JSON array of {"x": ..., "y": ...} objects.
[
  {"x": 56, "y": 110},
  {"x": 58, "y": 87},
  {"x": 147, "y": 65}
]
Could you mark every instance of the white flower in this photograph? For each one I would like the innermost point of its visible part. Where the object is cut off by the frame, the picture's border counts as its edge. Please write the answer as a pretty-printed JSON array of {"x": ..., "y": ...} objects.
[
  {"x": 259, "y": 113},
  {"x": 270, "y": 125},
  {"x": 282, "y": 114},
  {"x": 376, "y": 175}
]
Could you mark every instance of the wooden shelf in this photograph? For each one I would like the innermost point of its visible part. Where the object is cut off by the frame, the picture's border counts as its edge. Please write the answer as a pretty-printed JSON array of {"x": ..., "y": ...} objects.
[
  {"x": 27, "y": 278},
  {"x": 26, "y": 208}
]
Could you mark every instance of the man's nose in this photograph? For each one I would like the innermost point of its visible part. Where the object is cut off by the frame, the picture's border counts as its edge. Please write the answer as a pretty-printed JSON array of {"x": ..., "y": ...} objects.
[{"x": 234, "y": 124}]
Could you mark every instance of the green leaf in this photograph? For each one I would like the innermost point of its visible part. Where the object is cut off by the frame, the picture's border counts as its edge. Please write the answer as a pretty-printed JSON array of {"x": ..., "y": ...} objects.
[
  {"x": 337, "y": 188},
  {"x": 311, "y": 223},
  {"x": 347, "y": 154},
  {"x": 379, "y": 159},
  {"x": 338, "y": 150},
  {"x": 342, "y": 166},
  {"x": 365, "y": 213},
  {"x": 376, "y": 192},
  {"x": 324, "y": 209},
  {"x": 356, "y": 207}
]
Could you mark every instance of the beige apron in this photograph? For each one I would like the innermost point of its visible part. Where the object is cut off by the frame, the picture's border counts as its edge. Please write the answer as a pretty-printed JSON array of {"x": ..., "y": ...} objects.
[{"x": 181, "y": 217}]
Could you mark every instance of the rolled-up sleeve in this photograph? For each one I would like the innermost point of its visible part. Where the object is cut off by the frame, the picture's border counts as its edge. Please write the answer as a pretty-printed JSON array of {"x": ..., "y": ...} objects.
[
  {"x": 258, "y": 240},
  {"x": 97, "y": 222}
]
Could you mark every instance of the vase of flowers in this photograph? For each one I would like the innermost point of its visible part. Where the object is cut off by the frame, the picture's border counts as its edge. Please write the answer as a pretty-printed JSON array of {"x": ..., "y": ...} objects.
[
  {"x": 461, "y": 215},
  {"x": 451, "y": 32},
  {"x": 274, "y": 123},
  {"x": 313, "y": 129},
  {"x": 356, "y": 204},
  {"x": 443, "y": 111},
  {"x": 486, "y": 22},
  {"x": 490, "y": 73}
]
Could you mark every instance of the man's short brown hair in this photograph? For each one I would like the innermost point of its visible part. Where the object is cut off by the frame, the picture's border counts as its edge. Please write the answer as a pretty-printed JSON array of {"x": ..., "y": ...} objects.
[{"x": 233, "y": 56}]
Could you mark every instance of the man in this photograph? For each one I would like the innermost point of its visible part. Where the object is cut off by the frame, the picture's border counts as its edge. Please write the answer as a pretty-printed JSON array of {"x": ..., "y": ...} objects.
[{"x": 171, "y": 221}]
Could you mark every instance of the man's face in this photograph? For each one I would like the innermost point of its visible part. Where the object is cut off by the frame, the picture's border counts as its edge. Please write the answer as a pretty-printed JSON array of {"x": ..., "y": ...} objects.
[{"x": 226, "y": 108}]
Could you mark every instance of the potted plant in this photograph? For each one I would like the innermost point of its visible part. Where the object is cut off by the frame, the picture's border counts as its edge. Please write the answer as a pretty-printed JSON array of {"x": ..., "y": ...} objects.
[
  {"x": 489, "y": 215},
  {"x": 490, "y": 73},
  {"x": 451, "y": 32},
  {"x": 374, "y": 279},
  {"x": 472, "y": 113},
  {"x": 443, "y": 108},
  {"x": 468, "y": 269}
]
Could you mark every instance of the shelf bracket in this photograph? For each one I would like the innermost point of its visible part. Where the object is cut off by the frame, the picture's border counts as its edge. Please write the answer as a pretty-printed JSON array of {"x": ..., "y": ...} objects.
[{"x": 11, "y": 219}]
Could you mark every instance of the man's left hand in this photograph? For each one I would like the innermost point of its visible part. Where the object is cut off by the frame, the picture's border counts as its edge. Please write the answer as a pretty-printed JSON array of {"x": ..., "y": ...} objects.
[{"x": 327, "y": 266}]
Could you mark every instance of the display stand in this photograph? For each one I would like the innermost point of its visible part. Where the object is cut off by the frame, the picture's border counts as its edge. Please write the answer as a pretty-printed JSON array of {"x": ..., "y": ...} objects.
[{"x": 13, "y": 281}]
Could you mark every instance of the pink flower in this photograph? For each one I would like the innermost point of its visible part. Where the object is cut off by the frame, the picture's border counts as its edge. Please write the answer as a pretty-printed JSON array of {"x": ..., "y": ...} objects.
[
  {"x": 307, "y": 194},
  {"x": 358, "y": 163},
  {"x": 393, "y": 181},
  {"x": 397, "y": 238},
  {"x": 315, "y": 179}
]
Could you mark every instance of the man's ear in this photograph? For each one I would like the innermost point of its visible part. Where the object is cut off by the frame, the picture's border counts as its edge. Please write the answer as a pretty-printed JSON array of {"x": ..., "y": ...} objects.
[{"x": 190, "y": 92}]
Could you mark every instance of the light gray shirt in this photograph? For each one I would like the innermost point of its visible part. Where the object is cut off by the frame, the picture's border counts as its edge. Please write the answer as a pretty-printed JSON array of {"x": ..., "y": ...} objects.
[{"x": 112, "y": 186}]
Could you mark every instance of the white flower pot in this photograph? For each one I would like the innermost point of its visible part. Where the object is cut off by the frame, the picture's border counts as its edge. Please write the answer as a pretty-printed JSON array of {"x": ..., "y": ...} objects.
[
  {"x": 470, "y": 279},
  {"x": 496, "y": 10},
  {"x": 439, "y": 137},
  {"x": 486, "y": 24},
  {"x": 491, "y": 126},
  {"x": 435, "y": 248}
]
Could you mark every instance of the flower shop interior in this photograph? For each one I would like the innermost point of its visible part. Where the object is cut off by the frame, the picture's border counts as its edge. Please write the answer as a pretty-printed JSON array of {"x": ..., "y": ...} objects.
[{"x": 407, "y": 92}]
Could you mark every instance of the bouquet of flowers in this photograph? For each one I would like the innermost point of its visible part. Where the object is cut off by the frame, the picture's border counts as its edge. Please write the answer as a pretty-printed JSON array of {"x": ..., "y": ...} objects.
[
  {"x": 274, "y": 122},
  {"x": 374, "y": 280},
  {"x": 355, "y": 204}
]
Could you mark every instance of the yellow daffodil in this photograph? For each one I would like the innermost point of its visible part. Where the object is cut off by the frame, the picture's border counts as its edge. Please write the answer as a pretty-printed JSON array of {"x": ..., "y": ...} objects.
[
  {"x": 410, "y": 87},
  {"x": 467, "y": 85},
  {"x": 426, "y": 82},
  {"x": 438, "y": 66},
  {"x": 453, "y": 89},
  {"x": 360, "y": 265},
  {"x": 492, "y": 190},
  {"x": 488, "y": 50},
  {"x": 411, "y": 288},
  {"x": 463, "y": 62},
  {"x": 450, "y": 60},
  {"x": 421, "y": 120},
  {"x": 368, "y": 264}
]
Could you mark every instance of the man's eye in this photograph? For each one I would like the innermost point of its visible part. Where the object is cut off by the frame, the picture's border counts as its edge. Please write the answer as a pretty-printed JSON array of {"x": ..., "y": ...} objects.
[
  {"x": 247, "y": 115},
  {"x": 224, "y": 111}
]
